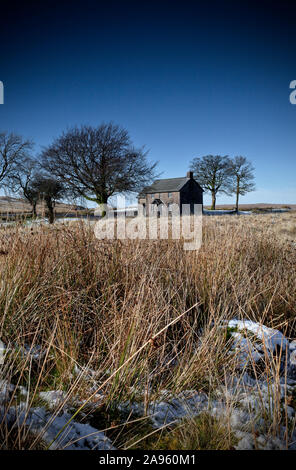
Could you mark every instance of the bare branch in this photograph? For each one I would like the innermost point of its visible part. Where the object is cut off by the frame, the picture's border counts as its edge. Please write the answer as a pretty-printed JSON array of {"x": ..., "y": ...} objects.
[
  {"x": 13, "y": 151},
  {"x": 212, "y": 173},
  {"x": 98, "y": 162}
]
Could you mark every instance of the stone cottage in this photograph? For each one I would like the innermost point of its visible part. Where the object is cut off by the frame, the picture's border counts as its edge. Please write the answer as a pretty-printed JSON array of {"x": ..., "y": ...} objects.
[{"x": 183, "y": 190}]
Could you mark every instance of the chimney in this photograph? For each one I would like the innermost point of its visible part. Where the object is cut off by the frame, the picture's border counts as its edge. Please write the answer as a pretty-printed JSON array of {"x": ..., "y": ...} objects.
[{"x": 189, "y": 175}]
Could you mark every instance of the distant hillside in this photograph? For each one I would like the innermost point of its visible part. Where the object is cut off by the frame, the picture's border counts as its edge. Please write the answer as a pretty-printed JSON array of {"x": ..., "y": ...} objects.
[
  {"x": 260, "y": 205},
  {"x": 14, "y": 205},
  {"x": 17, "y": 205}
]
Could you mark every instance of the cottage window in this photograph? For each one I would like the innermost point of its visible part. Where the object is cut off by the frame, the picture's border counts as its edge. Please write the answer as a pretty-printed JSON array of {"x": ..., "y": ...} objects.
[{"x": 169, "y": 194}]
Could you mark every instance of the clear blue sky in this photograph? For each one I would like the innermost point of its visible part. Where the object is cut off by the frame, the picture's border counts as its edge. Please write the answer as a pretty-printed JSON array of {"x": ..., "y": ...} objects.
[{"x": 185, "y": 78}]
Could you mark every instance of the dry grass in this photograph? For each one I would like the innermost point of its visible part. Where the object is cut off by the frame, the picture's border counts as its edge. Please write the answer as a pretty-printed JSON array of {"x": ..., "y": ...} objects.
[
  {"x": 96, "y": 303},
  {"x": 200, "y": 433}
]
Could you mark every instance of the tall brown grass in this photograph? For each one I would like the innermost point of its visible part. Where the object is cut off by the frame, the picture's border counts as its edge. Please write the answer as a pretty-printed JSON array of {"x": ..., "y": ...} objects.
[{"x": 93, "y": 304}]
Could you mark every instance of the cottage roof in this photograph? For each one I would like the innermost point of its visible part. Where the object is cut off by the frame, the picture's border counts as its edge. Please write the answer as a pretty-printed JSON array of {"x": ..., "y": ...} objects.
[{"x": 165, "y": 186}]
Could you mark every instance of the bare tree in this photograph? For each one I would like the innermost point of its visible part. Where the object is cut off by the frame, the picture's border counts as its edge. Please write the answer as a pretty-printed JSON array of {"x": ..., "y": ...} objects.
[
  {"x": 49, "y": 190},
  {"x": 21, "y": 181},
  {"x": 98, "y": 162},
  {"x": 241, "y": 171},
  {"x": 13, "y": 150},
  {"x": 212, "y": 173}
]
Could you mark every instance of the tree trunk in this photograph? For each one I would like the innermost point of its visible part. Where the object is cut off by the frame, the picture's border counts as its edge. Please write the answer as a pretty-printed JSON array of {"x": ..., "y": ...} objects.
[
  {"x": 213, "y": 201},
  {"x": 101, "y": 200},
  {"x": 49, "y": 204},
  {"x": 237, "y": 195},
  {"x": 34, "y": 212},
  {"x": 51, "y": 215},
  {"x": 236, "y": 202}
]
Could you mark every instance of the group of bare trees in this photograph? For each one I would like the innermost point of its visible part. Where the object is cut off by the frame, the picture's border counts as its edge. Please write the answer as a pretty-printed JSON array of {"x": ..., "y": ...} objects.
[
  {"x": 23, "y": 174},
  {"x": 90, "y": 162},
  {"x": 98, "y": 162},
  {"x": 216, "y": 173}
]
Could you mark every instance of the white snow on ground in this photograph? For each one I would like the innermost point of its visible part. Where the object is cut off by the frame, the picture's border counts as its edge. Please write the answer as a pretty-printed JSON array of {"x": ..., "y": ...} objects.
[
  {"x": 272, "y": 340},
  {"x": 225, "y": 212},
  {"x": 169, "y": 408},
  {"x": 190, "y": 404},
  {"x": 5, "y": 389},
  {"x": 253, "y": 396},
  {"x": 76, "y": 436},
  {"x": 242, "y": 401},
  {"x": 25, "y": 350},
  {"x": 218, "y": 212},
  {"x": 260, "y": 341},
  {"x": 43, "y": 221},
  {"x": 53, "y": 398},
  {"x": 231, "y": 212},
  {"x": 34, "y": 352},
  {"x": 247, "y": 352}
]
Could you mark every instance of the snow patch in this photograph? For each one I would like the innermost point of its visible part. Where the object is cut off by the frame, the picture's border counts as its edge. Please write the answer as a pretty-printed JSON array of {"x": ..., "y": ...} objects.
[{"x": 75, "y": 436}]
